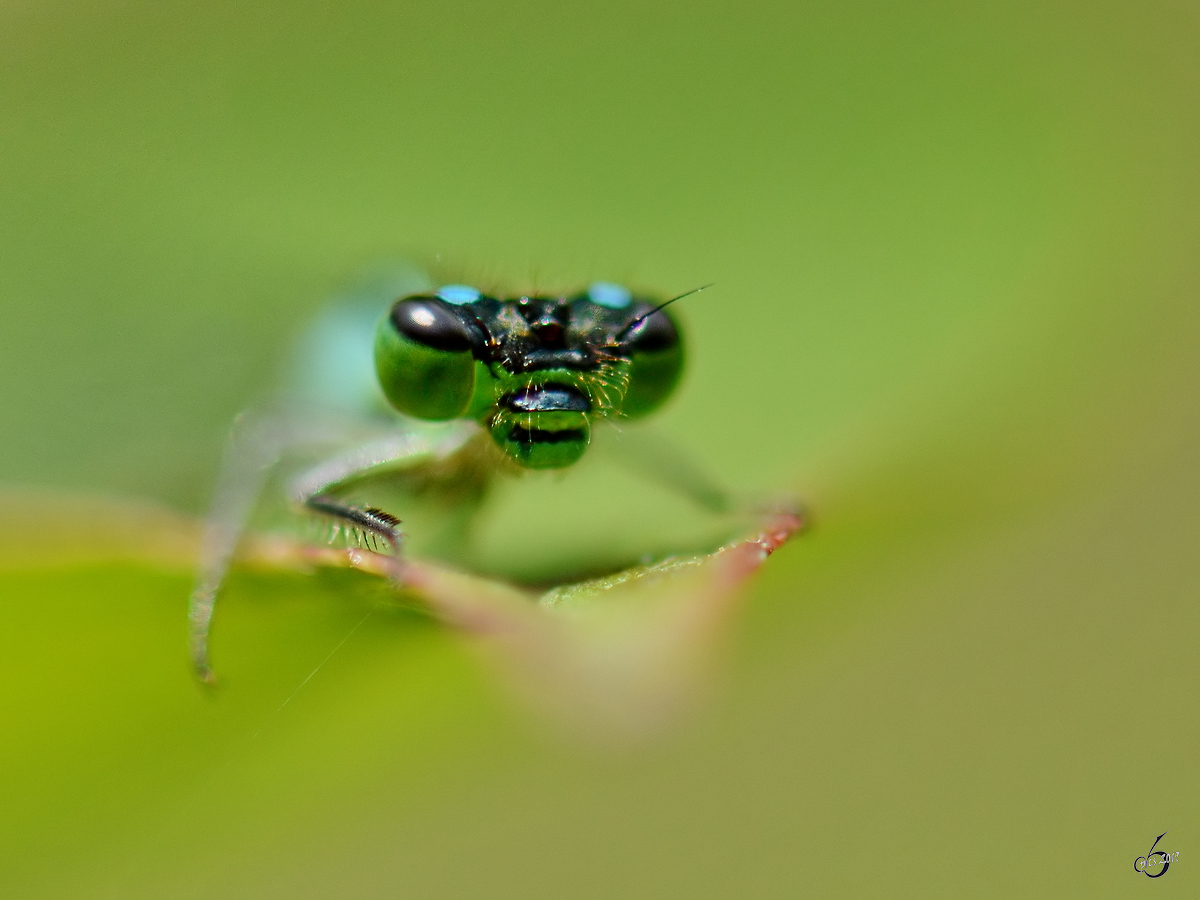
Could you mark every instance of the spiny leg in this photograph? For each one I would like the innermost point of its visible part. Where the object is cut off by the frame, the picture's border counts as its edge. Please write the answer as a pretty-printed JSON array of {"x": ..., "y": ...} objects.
[
  {"x": 256, "y": 446},
  {"x": 375, "y": 524},
  {"x": 316, "y": 489}
]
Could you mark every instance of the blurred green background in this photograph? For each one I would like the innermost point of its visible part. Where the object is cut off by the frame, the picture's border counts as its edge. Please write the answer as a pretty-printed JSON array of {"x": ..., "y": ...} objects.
[{"x": 956, "y": 256}]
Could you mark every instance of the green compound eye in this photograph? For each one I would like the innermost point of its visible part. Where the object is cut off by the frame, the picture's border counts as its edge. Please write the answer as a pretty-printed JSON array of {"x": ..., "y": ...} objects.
[
  {"x": 423, "y": 359},
  {"x": 656, "y": 363}
]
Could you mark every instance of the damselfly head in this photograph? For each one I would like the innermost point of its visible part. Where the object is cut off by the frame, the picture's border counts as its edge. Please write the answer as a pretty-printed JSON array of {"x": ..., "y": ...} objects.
[{"x": 535, "y": 370}]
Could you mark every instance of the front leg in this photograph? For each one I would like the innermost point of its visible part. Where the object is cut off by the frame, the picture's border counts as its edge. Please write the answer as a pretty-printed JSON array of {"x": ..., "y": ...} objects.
[
  {"x": 256, "y": 447},
  {"x": 315, "y": 491},
  {"x": 373, "y": 524}
]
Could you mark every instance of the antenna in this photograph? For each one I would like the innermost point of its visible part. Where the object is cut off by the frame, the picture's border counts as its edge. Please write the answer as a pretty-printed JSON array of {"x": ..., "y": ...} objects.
[{"x": 644, "y": 316}]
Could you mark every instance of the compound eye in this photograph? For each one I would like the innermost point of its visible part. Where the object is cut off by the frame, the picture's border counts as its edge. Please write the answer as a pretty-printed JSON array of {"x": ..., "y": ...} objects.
[
  {"x": 429, "y": 322},
  {"x": 656, "y": 363},
  {"x": 653, "y": 334},
  {"x": 423, "y": 359}
]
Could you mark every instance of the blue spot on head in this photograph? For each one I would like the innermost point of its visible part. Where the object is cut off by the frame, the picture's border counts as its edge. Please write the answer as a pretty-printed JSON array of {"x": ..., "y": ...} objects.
[
  {"x": 608, "y": 294},
  {"x": 458, "y": 294}
]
